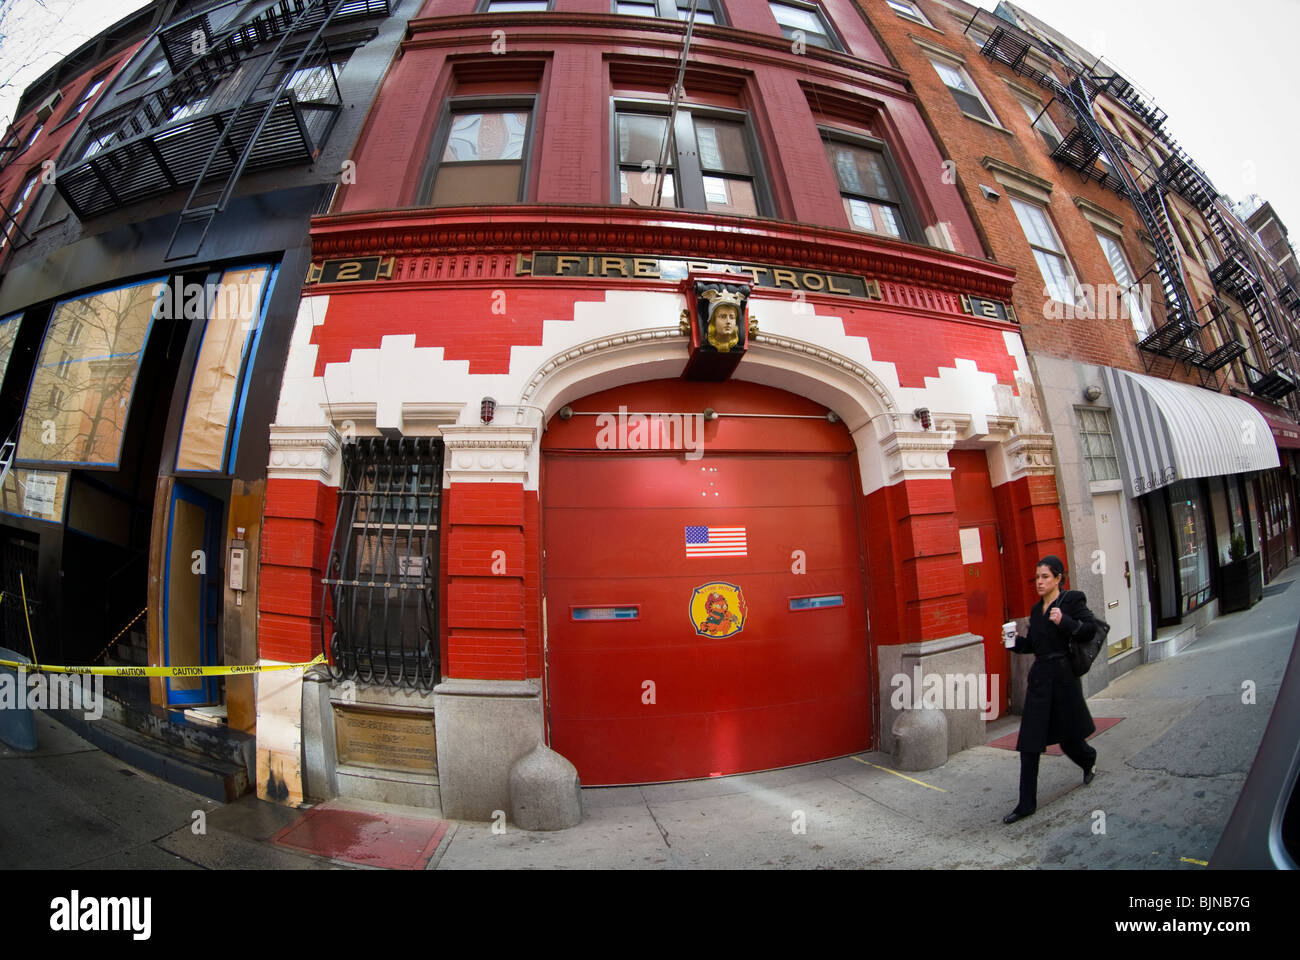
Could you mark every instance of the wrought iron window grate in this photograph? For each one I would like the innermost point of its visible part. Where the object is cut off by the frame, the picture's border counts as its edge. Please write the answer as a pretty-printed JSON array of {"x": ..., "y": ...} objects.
[{"x": 380, "y": 603}]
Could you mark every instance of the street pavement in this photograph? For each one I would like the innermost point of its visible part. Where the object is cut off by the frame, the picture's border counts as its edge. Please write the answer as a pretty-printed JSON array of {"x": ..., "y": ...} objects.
[{"x": 1169, "y": 775}]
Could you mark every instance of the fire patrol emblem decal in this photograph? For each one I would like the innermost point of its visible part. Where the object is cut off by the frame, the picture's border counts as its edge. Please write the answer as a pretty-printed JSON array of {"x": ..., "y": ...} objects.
[{"x": 718, "y": 610}]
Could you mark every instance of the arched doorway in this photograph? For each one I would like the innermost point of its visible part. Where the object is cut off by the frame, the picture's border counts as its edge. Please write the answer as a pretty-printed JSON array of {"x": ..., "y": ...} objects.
[{"x": 704, "y": 589}]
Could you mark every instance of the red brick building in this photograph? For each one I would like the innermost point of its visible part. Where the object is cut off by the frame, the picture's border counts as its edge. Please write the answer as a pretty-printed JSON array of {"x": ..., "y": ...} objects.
[
  {"x": 549, "y": 501},
  {"x": 1146, "y": 309}
]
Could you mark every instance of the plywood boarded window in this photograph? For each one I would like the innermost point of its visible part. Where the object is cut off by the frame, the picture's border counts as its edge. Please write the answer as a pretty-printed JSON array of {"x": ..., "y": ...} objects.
[{"x": 232, "y": 323}]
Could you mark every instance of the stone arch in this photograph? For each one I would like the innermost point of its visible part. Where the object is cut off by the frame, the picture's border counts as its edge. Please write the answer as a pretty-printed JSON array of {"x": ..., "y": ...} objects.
[{"x": 856, "y": 395}]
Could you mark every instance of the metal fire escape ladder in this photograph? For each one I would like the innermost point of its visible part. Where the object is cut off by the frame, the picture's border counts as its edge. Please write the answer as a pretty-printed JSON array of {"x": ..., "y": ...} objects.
[
  {"x": 214, "y": 187},
  {"x": 1179, "y": 337}
]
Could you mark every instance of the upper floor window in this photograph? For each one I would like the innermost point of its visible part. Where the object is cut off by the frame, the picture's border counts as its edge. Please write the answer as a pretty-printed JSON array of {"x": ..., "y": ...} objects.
[
  {"x": 1038, "y": 116},
  {"x": 88, "y": 96},
  {"x": 712, "y": 167},
  {"x": 31, "y": 137},
  {"x": 706, "y": 11},
  {"x": 1049, "y": 252},
  {"x": 9, "y": 225},
  {"x": 908, "y": 11},
  {"x": 964, "y": 91},
  {"x": 1129, "y": 294},
  {"x": 868, "y": 187},
  {"x": 482, "y": 153},
  {"x": 513, "y": 6},
  {"x": 804, "y": 21}
]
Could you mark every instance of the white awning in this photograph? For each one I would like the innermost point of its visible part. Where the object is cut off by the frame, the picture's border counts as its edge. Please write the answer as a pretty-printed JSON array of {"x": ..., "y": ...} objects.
[{"x": 1173, "y": 431}]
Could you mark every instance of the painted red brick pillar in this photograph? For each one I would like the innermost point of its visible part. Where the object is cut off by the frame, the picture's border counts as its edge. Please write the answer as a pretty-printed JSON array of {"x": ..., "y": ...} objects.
[
  {"x": 1029, "y": 516},
  {"x": 297, "y": 525},
  {"x": 493, "y": 580}
]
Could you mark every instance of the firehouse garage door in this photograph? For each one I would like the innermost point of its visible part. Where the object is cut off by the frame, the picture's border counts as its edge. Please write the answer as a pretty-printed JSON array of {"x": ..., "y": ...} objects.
[{"x": 704, "y": 616}]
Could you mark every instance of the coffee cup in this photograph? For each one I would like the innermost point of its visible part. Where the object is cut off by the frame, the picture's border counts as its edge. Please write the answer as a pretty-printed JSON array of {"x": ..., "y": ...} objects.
[{"x": 1009, "y": 633}]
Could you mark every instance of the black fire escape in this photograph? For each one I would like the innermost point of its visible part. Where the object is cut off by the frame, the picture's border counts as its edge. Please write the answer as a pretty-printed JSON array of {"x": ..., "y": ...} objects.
[
  {"x": 248, "y": 92},
  {"x": 1239, "y": 275}
]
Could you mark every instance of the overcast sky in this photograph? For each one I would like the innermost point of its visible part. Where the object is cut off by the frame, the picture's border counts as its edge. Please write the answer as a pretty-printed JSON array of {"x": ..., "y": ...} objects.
[{"x": 1226, "y": 73}]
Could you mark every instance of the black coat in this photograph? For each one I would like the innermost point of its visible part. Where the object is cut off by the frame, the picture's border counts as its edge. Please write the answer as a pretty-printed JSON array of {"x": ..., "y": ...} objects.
[{"x": 1055, "y": 711}]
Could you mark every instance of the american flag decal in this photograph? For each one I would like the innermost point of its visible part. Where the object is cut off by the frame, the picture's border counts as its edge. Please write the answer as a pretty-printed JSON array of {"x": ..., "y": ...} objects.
[{"x": 715, "y": 542}]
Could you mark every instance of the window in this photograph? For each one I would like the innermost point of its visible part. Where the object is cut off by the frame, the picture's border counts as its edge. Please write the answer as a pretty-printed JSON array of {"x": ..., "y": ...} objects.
[
  {"x": 31, "y": 137},
  {"x": 184, "y": 110},
  {"x": 1098, "y": 444},
  {"x": 908, "y": 11},
  {"x": 712, "y": 169},
  {"x": 319, "y": 83},
  {"x": 81, "y": 393},
  {"x": 97, "y": 144},
  {"x": 1042, "y": 122},
  {"x": 964, "y": 91},
  {"x": 88, "y": 96},
  {"x": 804, "y": 21},
  {"x": 8, "y": 336},
  {"x": 213, "y": 404},
  {"x": 1048, "y": 251},
  {"x": 707, "y": 11},
  {"x": 512, "y": 6},
  {"x": 483, "y": 155},
  {"x": 380, "y": 603},
  {"x": 872, "y": 201},
  {"x": 10, "y": 226},
  {"x": 1129, "y": 294}
]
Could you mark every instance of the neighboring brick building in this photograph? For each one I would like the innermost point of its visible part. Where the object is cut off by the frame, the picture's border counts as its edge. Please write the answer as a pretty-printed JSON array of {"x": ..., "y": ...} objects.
[
  {"x": 150, "y": 317},
  {"x": 1075, "y": 183}
]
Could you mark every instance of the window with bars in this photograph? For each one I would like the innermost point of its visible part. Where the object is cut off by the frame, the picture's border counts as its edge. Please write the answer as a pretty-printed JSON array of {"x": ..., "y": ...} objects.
[
  {"x": 379, "y": 618},
  {"x": 1098, "y": 444}
]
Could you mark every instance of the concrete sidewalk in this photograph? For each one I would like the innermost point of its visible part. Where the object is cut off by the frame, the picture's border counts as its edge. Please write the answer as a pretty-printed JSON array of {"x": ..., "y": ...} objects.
[{"x": 1169, "y": 775}]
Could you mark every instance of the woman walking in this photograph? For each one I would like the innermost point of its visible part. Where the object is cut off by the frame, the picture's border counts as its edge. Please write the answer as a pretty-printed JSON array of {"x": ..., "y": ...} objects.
[{"x": 1055, "y": 711}]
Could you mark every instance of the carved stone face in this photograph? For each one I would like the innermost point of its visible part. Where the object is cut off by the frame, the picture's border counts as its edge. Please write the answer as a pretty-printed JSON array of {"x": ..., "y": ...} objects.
[
  {"x": 724, "y": 327},
  {"x": 726, "y": 319}
]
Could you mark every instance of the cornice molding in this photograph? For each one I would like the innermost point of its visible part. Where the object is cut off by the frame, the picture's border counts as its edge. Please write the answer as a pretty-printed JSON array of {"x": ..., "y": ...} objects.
[
  {"x": 555, "y": 27},
  {"x": 519, "y": 228}
]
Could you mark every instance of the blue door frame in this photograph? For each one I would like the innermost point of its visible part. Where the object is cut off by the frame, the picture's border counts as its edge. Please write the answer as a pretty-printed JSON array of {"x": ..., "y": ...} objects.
[{"x": 209, "y": 593}]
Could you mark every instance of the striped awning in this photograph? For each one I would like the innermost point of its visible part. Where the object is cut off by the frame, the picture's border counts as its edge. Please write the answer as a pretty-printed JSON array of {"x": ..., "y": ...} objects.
[{"x": 1173, "y": 431}]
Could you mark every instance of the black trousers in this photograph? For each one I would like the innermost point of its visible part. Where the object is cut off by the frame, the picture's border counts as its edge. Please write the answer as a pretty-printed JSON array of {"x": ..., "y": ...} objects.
[{"x": 1078, "y": 751}]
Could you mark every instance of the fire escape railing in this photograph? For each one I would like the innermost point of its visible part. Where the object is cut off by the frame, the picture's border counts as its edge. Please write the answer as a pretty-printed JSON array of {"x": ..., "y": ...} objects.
[
  {"x": 234, "y": 103},
  {"x": 1238, "y": 275}
]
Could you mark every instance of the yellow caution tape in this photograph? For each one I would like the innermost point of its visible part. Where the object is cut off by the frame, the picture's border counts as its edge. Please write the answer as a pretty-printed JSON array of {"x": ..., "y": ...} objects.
[{"x": 162, "y": 671}]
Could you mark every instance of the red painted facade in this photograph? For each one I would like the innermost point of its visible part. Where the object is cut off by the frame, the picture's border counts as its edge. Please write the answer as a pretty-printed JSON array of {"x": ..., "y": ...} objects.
[{"x": 537, "y": 518}]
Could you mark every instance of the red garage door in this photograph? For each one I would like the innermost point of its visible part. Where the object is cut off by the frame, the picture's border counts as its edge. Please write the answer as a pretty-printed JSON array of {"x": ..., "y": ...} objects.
[{"x": 704, "y": 616}]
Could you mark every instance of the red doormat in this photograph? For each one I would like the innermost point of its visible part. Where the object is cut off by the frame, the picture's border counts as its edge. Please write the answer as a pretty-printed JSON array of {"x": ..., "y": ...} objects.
[
  {"x": 387, "y": 840},
  {"x": 1009, "y": 741}
]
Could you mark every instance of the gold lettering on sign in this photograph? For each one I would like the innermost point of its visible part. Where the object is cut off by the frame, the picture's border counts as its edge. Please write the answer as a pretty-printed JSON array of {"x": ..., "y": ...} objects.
[
  {"x": 645, "y": 268},
  {"x": 523, "y": 268},
  {"x": 989, "y": 309},
  {"x": 808, "y": 279},
  {"x": 785, "y": 275},
  {"x": 565, "y": 260},
  {"x": 616, "y": 263},
  {"x": 348, "y": 270},
  {"x": 385, "y": 740}
]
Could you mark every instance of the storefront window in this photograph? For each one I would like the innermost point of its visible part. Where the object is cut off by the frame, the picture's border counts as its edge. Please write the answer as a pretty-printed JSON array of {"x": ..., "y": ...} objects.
[
  {"x": 85, "y": 377},
  {"x": 1190, "y": 528},
  {"x": 1237, "y": 512}
]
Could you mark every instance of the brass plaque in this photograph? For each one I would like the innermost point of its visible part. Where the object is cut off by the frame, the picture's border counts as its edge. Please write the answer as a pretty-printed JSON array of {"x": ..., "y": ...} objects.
[{"x": 389, "y": 741}]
